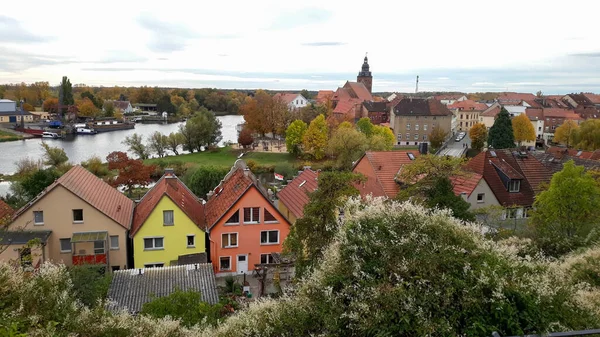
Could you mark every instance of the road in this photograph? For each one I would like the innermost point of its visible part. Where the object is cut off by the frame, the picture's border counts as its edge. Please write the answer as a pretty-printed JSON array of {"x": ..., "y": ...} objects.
[{"x": 455, "y": 149}]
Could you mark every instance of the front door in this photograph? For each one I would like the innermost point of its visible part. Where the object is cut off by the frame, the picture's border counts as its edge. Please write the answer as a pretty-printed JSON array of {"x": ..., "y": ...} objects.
[{"x": 242, "y": 264}]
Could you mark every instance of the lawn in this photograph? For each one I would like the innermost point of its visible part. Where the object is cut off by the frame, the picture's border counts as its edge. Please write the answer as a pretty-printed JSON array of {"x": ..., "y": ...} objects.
[
  {"x": 7, "y": 136},
  {"x": 225, "y": 157}
]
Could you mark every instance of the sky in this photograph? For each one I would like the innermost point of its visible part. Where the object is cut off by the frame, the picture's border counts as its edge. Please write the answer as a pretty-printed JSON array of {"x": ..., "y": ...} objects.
[{"x": 460, "y": 45}]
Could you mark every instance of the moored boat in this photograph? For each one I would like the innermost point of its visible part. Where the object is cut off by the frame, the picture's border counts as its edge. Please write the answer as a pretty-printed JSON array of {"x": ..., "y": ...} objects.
[
  {"x": 85, "y": 131},
  {"x": 52, "y": 135},
  {"x": 112, "y": 125}
]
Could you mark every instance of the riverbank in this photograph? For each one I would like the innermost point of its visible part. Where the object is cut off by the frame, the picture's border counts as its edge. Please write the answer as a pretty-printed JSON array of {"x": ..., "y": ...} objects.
[{"x": 9, "y": 137}]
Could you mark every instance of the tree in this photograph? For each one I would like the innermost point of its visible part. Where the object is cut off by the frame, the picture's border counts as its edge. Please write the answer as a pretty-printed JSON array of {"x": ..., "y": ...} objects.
[
  {"x": 54, "y": 156},
  {"x": 589, "y": 135},
  {"x": 315, "y": 138},
  {"x": 88, "y": 94},
  {"x": 346, "y": 145},
  {"x": 566, "y": 212},
  {"x": 263, "y": 114},
  {"x": 50, "y": 105},
  {"x": 365, "y": 126},
  {"x": 95, "y": 166},
  {"x": 245, "y": 138},
  {"x": 175, "y": 140},
  {"x": 204, "y": 179},
  {"x": 202, "y": 130},
  {"x": 109, "y": 109},
  {"x": 185, "y": 306},
  {"x": 164, "y": 104},
  {"x": 294, "y": 136},
  {"x": 305, "y": 94},
  {"x": 478, "y": 134},
  {"x": 523, "y": 129},
  {"x": 136, "y": 146},
  {"x": 501, "y": 134},
  {"x": 87, "y": 108},
  {"x": 158, "y": 143},
  {"x": 312, "y": 234},
  {"x": 35, "y": 183},
  {"x": 66, "y": 92},
  {"x": 382, "y": 139},
  {"x": 437, "y": 137},
  {"x": 441, "y": 195},
  {"x": 131, "y": 172},
  {"x": 28, "y": 107},
  {"x": 310, "y": 112},
  {"x": 566, "y": 133},
  {"x": 90, "y": 284}
]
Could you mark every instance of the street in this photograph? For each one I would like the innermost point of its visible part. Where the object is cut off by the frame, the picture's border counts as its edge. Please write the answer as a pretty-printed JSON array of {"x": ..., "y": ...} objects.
[{"x": 455, "y": 149}]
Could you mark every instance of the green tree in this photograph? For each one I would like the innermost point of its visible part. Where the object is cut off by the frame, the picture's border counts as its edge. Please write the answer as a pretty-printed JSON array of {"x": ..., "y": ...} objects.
[
  {"x": 305, "y": 94},
  {"x": 441, "y": 195},
  {"x": 523, "y": 129},
  {"x": 312, "y": 234},
  {"x": 346, "y": 145},
  {"x": 164, "y": 104},
  {"x": 92, "y": 98},
  {"x": 202, "y": 130},
  {"x": 175, "y": 140},
  {"x": 382, "y": 139},
  {"x": 204, "y": 179},
  {"x": 90, "y": 284},
  {"x": 315, "y": 137},
  {"x": 501, "y": 134},
  {"x": 109, "y": 109},
  {"x": 589, "y": 135},
  {"x": 437, "y": 137},
  {"x": 365, "y": 126},
  {"x": 66, "y": 92},
  {"x": 186, "y": 306},
  {"x": 478, "y": 134},
  {"x": 567, "y": 133},
  {"x": 158, "y": 143},
  {"x": 136, "y": 146},
  {"x": 35, "y": 183},
  {"x": 95, "y": 166},
  {"x": 54, "y": 156},
  {"x": 567, "y": 211},
  {"x": 294, "y": 136}
]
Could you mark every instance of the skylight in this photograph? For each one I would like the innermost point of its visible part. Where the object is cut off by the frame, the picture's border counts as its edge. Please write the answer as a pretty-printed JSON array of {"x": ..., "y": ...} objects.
[
  {"x": 411, "y": 156},
  {"x": 579, "y": 153},
  {"x": 493, "y": 153},
  {"x": 302, "y": 183}
]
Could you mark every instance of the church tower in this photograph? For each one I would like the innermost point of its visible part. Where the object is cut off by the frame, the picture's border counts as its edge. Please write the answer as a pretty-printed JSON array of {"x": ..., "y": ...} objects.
[{"x": 364, "y": 76}]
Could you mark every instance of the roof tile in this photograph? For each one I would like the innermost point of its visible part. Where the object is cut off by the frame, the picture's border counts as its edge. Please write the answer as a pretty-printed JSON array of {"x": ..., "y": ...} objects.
[
  {"x": 296, "y": 194},
  {"x": 386, "y": 165}
]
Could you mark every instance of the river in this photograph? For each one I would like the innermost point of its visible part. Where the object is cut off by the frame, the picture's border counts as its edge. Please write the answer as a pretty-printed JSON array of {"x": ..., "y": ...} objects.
[{"x": 82, "y": 147}]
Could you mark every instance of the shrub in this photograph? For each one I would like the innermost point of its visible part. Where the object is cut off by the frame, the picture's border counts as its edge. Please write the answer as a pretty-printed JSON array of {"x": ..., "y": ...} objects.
[{"x": 90, "y": 283}]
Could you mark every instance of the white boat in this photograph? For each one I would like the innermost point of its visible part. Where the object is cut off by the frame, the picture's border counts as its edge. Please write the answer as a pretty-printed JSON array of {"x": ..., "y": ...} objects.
[
  {"x": 85, "y": 131},
  {"x": 52, "y": 135}
]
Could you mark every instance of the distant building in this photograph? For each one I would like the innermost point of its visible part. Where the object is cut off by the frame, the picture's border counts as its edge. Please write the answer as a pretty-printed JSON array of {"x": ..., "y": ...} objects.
[
  {"x": 293, "y": 101},
  {"x": 365, "y": 77},
  {"x": 10, "y": 114},
  {"x": 467, "y": 113},
  {"x": 380, "y": 169},
  {"x": 124, "y": 106},
  {"x": 412, "y": 119},
  {"x": 324, "y": 96},
  {"x": 348, "y": 100},
  {"x": 377, "y": 112},
  {"x": 451, "y": 99}
]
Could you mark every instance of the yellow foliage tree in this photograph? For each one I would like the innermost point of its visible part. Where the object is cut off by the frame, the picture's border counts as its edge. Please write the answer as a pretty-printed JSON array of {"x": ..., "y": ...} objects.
[
  {"x": 523, "y": 129},
  {"x": 315, "y": 138},
  {"x": 478, "y": 134},
  {"x": 87, "y": 108},
  {"x": 566, "y": 133}
]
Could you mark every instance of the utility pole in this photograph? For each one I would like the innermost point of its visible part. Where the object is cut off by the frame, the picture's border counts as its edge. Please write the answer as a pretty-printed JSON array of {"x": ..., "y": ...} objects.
[
  {"x": 22, "y": 115},
  {"x": 417, "y": 88}
]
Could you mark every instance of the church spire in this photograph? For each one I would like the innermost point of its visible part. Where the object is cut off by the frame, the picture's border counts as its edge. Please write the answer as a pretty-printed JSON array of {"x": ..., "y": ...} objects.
[{"x": 364, "y": 76}]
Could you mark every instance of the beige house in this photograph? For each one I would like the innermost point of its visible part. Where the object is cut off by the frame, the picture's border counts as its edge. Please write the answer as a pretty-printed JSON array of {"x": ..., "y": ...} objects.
[
  {"x": 474, "y": 190},
  {"x": 488, "y": 117},
  {"x": 412, "y": 120},
  {"x": 87, "y": 221},
  {"x": 467, "y": 113}
]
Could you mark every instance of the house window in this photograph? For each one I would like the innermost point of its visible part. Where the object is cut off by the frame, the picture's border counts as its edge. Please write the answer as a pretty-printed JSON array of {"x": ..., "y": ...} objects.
[
  {"x": 225, "y": 263},
  {"x": 191, "y": 241},
  {"x": 425, "y": 127},
  {"x": 168, "y": 218},
  {"x": 78, "y": 215},
  {"x": 65, "y": 245},
  {"x": 416, "y": 127},
  {"x": 408, "y": 127},
  {"x": 38, "y": 217},
  {"x": 269, "y": 237},
  {"x": 154, "y": 265},
  {"x": 154, "y": 243},
  {"x": 416, "y": 136},
  {"x": 399, "y": 136},
  {"x": 461, "y": 116},
  {"x": 514, "y": 186},
  {"x": 553, "y": 127},
  {"x": 99, "y": 247},
  {"x": 269, "y": 218},
  {"x": 480, "y": 197},
  {"x": 229, "y": 240},
  {"x": 234, "y": 219},
  {"x": 424, "y": 137},
  {"x": 408, "y": 136},
  {"x": 114, "y": 242},
  {"x": 251, "y": 214},
  {"x": 25, "y": 257},
  {"x": 266, "y": 258}
]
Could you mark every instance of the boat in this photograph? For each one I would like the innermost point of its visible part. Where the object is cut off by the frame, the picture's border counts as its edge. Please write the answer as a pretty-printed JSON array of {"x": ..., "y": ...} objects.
[
  {"x": 33, "y": 132},
  {"x": 85, "y": 131},
  {"x": 112, "y": 125},
  {"x": 52, "y": 135}
]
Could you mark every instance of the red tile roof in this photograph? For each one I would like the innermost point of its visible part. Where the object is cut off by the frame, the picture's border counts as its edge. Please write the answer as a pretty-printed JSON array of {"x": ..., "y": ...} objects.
[
  {"x": 534, "y": 171},
  {"x": 465, "y": 183},
  {"x": 559, "y": 152},
  {"x": 95, "y": 192},
  {"x": 173, "y": 188},
  {"x": 594, "y": 98},
  {"x": 346, "y": 106},
  {"x": 534, "y": 114},
  {"x": 230, "y": 190},
  {"x": 515, "y": 97},
  {"x": 492, "y": 111},
  {"x": 386, "y": 165},
  {"x": 5, "y": 212},
  {"x": 295, "y": 195},
  {"x": 323, "y": 96},
  {"x": 287, "y": 98},
  {"x": 468, "y": 105},
  {"x": 358, "y": 90},
  {"x": 448, "y": 97},
  {"x": 561, "y": 113}
]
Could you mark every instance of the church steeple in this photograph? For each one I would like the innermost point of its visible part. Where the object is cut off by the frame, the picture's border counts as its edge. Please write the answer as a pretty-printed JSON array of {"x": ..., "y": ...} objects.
[{"x": 364, "y": 76}]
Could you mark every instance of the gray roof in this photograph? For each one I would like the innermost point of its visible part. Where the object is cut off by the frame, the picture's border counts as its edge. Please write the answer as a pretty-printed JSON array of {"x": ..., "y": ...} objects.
[
  {"x": 14, "y": 113},
  {"x": 555, "y": 164},
  {"x": 129, "y": 290},
  {"x": 23, "y": 237}
]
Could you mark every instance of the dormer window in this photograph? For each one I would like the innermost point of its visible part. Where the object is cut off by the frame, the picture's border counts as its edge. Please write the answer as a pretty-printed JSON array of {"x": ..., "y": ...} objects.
[{"x": 514, "y": 186}]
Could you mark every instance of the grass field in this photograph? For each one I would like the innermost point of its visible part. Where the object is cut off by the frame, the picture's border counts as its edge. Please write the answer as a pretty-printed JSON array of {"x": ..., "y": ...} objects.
[
  {"x": 225, "y": 157},
  {"x": 7, "y": 136}
]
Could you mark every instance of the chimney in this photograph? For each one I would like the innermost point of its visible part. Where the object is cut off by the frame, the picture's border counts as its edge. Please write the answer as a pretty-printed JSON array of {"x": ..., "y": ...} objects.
[
  {"x": 169, "y": 173},
  {"x": 299, "y": 172},
  {"x": 306, "y": 168},
  {"x": 209, "y": 194},
  {"x": 247, "y": 172}
]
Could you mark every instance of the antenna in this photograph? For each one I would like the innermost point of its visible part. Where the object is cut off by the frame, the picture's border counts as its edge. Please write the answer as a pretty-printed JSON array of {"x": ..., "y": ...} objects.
[{"x": 417, "y": 89}]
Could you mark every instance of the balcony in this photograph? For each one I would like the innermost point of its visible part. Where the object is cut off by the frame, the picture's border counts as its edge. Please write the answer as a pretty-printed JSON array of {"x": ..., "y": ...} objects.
[{"x": 85, "y": 243}]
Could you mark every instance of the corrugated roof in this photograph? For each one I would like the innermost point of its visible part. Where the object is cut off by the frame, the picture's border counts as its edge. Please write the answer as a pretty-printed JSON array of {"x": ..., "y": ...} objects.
[
  {"x": 169, "y": 185},
  {"x": 295, "y": 195},
  {"x": 95, "y": 192},
  {"x": 129, "y": 290},
  {"x": 386, "y": 165}
]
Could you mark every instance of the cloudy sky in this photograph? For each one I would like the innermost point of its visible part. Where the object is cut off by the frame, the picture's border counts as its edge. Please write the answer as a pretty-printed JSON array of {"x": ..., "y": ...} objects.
[{"x": 524, "y": 45}]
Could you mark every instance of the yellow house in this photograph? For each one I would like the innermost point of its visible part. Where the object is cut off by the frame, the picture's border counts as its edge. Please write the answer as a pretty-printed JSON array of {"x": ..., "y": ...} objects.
[{"x": 168, "y": 226}]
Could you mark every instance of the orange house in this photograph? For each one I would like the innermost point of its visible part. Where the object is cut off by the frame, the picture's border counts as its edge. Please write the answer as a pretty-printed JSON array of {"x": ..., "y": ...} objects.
[{"x": 244, "y": 227}]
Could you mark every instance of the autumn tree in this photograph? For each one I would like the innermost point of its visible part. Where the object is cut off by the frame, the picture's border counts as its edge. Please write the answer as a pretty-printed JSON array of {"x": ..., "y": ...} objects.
[
  {"x": 478, "y": 134},
  {"x": 501, "y": 134},
  {"x": 315, "y": 138},
  {"x": 294, "y": 136},
  {"x": 50, "y": 105},
  {"x": 245, "y": 138},
  {"x": 91, "y": 97},
  {"x": 95, "y": 166},
  {"x": 437, "y": 137},
  {"x": 264, "y": 114},
  {"x": 131, "y": 172},
  {"x": 589, "y": 135},
  {"x": 136, "y": 145},
  {"x": 158, "y": 143},
  {"x": 310, "y": 112},
  {"x": 109, "y": 109},
  {"x": 174, "y": 141},
  {"x": 567, "y": 133},
  {"x": 365, "y": 126},
  {"x": 382, "y": 139},
  {"x": 87, "y": 108},
  {"x": 346, "y": 145},
  {"x": 28, "y": 107},
  {"x": 523, "y": 129}
]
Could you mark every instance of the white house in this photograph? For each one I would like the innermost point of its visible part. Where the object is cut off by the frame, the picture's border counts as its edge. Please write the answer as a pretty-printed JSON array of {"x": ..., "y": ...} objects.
[
  {"x": 294, "y": 101},
  {"x": 124, "y": 106}
]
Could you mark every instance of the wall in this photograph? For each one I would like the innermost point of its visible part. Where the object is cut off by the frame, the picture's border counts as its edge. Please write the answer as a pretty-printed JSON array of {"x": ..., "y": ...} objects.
[
  {"x": 400, "y": 128},
  {"x": 488, "y": 121},
  {"x": 371, "y": 185},
  {"x": 6, "y": 119},
  {"x": 286, "y": 212},
  {"x": 489, "y": 197},
  {"x": 11, "y": 254},
  {"x": 58, "y": 206},
  {"x": 248, "y": 234},
  {"x": 175, "y": 237}
]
